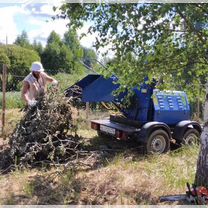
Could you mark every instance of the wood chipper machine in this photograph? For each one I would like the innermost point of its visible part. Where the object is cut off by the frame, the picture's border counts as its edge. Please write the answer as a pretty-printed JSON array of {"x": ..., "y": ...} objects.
[{"x": 153, "y": 117}]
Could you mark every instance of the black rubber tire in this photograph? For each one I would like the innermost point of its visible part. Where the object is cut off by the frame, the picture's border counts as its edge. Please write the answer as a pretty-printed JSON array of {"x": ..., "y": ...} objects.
[
  {"x": 158, "y": 142},
  {"x": 191, "y": 137}
]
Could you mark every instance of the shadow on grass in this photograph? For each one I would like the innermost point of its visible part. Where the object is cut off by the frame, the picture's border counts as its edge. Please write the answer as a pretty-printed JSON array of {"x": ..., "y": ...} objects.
[
  {"x": 109, "y": 148},
  {"x": 70, "y": 190},
  {"x": 44, "y": 190}
]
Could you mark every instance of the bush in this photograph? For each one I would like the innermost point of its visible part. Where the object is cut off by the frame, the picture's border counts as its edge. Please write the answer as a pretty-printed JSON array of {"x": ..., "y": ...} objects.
[{"x": 19, "y": 61}]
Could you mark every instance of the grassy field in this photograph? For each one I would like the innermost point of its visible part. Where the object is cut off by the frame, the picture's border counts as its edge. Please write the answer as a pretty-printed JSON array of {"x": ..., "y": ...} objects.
[
  {"x": 13, "y": 100},
  {"x": 124, "y": 177}
]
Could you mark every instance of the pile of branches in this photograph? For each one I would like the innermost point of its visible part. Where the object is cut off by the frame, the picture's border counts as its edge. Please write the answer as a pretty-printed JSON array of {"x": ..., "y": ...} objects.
[
  {"x": 42, "y": 136},
  {"x": 74, "y": 92}
]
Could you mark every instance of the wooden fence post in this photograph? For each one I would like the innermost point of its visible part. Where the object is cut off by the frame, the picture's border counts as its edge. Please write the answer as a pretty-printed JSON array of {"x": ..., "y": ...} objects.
[{"x": 4, "y": 82}]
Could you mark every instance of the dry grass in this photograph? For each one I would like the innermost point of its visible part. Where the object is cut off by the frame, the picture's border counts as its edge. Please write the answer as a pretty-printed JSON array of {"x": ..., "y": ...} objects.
[
  {"x": 12, "y": 187},
  {"x": 127, "y": 177},
  {"x": 126, "y": 180},
  {"x": 12, "y": 117}
]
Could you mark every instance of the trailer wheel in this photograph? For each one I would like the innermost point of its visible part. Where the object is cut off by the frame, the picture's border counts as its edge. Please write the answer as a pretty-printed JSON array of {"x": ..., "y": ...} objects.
[
  {"x": 158, "y": 142},
  {"x": 191, "y": 137}
]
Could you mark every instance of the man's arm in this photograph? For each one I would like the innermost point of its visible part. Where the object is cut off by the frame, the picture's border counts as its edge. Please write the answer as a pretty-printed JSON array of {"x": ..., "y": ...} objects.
[
  {"x": 25, "y": 88},
  {"x": 50, "y": 79}
]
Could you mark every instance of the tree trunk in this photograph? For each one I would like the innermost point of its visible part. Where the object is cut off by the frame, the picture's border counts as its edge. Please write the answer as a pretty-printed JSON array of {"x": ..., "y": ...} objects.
[{"x": 201, "y": 178}]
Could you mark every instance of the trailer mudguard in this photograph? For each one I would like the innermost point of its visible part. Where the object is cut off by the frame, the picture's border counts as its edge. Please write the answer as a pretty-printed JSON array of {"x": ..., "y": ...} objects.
[
  {"x": 182, "y": 127},
  {"x": 149, "y": 127}
]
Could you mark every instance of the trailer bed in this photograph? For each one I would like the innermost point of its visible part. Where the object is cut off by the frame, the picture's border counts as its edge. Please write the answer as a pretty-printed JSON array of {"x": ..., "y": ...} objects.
[{"x": 110, "y": 127}]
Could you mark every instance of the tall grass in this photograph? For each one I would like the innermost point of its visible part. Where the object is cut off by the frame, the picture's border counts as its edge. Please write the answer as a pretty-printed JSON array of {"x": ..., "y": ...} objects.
[
  {"x": 13, "y": 100},
  {"x": 172, "y": 170}
]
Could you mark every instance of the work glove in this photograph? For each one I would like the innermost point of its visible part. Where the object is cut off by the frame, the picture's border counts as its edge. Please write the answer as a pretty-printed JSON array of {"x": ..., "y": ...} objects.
[
  {"x": 54, "y": 83},
  {"x": 32, "y": 103}
]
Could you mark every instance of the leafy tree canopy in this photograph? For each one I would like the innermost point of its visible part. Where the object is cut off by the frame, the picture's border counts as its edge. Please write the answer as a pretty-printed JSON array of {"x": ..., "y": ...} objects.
[
  {"x": 37, "y": 46},
  {"x": 19, "y": 61},
  {"x": 54, "y": 53},
  {"x": 89, "y": 57},
  {"x": 4, "y": 59},
  {"x": 72, "y": 43},
  {"x": 160, "y": 40},
  {"x": 61, "y": 56},
  {"x": 23, "y": 41},
  {"x": 165, "y": 39}
]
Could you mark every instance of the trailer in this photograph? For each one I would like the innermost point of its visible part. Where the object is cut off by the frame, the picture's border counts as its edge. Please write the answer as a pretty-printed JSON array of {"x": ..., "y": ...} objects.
[{"x": 153, "y": 117}]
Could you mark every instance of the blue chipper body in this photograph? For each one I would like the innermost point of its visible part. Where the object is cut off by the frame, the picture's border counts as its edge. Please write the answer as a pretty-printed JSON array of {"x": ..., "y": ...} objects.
[{"x": 147, "y": 104}]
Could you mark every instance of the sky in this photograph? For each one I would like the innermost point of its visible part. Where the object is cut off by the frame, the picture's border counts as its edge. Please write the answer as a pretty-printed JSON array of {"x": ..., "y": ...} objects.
[{"x": 34, "y": 17}]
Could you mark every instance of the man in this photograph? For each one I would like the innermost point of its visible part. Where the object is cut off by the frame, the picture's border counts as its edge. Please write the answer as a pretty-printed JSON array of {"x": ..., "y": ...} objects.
[{"x": 34, "y": 84}]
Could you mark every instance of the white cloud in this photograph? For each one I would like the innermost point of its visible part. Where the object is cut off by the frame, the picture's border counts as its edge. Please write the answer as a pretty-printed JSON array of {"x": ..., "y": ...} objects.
[
  {"x": 47, "y": 9},
  {"x": 37, "y": 25},
  {"x": 8, "y": 26},
  {"x": 45, "y": 28},
  {"x": 88, "y": 41},
  {"x": 40, "y": 9}
]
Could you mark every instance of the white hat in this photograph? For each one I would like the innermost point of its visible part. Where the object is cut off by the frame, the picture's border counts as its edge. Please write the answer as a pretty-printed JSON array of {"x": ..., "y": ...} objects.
[{"x": 37, "y": 67}]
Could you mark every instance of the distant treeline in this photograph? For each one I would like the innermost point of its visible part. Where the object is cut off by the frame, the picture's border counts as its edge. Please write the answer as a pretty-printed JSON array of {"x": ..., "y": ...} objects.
[{"x": 58, "y": 56}]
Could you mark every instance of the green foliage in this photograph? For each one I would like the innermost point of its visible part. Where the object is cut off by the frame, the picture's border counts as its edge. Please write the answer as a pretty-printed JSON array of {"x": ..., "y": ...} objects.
[
  {"x": 23, "y": 41},
  {"x": 4, "y": 59},
  {"x": 64, "y": 56},
  {"x": 20, "y": 62},
  {"x": 37, "y": 46},
  {"x": 56, "y": 56},
  {"x": 89, "y": 57},
  {"x": 166, "y": 41},
  {"x": 72, "y": 43},
  {"x": 53, "y": 38},
  {"x": 13, "y": 100}
]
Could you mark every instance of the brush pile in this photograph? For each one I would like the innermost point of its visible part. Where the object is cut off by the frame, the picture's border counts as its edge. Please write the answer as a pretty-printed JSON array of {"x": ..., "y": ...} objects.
[
  {"x": 42, "y": 134},
  {"x": 74, "y": 93}
]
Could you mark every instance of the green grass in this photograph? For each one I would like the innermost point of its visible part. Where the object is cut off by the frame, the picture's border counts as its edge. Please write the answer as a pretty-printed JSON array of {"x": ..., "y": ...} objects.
[
  {"x": 29, "y": 189},
  {"x": 13, "y": 100},
  {"x": 173, "y": 170}
]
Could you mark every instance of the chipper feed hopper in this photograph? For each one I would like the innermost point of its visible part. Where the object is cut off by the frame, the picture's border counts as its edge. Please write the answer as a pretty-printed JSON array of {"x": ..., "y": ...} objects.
[{"x": 153, "y": 117}]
